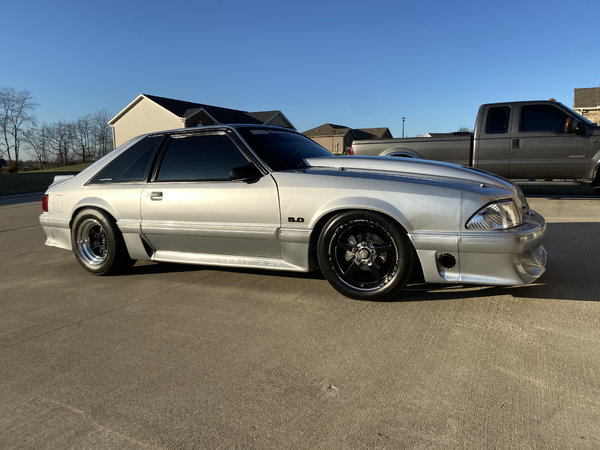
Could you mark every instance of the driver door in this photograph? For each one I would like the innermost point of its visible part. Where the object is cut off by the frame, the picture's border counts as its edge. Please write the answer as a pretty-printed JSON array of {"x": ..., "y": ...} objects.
[
  {"x": 541, "y": 148},
  {"x": 192, "y": 206}
]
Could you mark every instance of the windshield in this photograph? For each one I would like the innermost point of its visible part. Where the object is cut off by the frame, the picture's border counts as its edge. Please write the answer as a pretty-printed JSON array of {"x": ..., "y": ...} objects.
[{"x": 282, "y": 150}]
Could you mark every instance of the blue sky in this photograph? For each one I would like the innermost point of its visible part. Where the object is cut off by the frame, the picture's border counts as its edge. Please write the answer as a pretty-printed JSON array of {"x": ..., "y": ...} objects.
[{"x": 357, "y": 63}]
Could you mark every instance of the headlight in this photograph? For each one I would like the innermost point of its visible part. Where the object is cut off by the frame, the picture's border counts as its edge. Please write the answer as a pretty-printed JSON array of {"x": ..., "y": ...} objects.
[{"x": 498, "y": 215}]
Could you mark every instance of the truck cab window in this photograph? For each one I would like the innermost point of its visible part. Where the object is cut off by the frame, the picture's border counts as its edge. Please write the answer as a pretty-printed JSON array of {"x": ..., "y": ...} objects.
[
  {"x": 542, "y": 118},
  {"x": 497, "y": 120}
]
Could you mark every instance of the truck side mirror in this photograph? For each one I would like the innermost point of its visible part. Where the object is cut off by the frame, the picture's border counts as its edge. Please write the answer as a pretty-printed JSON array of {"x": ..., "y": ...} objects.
[{"x": 573, "y": 126}]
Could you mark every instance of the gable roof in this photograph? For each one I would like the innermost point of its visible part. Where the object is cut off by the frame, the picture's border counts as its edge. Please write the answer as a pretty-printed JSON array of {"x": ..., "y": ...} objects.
[
  {"x": 587, "y": 97},
  {"x": 188, "y": 110},
  {"x": 177, "y": 107},
  {"x": 264, "y": 116},
  {"x": 327, "y": 129},
  {"x": 373, "y": 133},
  {"x": 222, "y": 115},
  {"x": 330, "y": 129}
]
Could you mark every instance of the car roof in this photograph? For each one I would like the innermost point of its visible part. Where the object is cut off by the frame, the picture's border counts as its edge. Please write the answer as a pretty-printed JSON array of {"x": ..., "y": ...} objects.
[{"x": 220, "y": 127}]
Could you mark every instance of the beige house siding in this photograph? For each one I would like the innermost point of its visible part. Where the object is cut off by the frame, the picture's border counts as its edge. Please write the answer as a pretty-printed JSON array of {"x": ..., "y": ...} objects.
[
  {"x": 335, "y": 144},
  {"x": 142, "y": 116},
  {"x": 593, "y": 115},
  {"x": 338, "y": 139}
]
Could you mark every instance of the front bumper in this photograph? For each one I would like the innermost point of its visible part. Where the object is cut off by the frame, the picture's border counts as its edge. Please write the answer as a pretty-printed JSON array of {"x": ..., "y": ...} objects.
[{"x": 506, "y": 257}]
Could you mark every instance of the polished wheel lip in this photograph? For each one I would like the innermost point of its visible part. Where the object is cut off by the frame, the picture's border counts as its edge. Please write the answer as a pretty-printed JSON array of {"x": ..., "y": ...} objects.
[
  {"x": 92, "y": 243},
  {"x": 356, "y": 249}
]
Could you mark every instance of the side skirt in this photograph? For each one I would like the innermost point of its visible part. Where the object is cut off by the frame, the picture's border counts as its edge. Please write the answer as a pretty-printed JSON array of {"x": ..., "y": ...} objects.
[{"x": 225, "y": 261}]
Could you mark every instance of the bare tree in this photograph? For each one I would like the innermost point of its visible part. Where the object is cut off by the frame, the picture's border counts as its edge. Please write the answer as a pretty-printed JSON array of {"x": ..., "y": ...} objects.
[
  {"x": 39, "y": 141},
  {"x": 83, "y": 138},
  {"x": 16, "y": 116},
  {"x": 103, "y": 133},
  {"x": 60, "y": 141}
]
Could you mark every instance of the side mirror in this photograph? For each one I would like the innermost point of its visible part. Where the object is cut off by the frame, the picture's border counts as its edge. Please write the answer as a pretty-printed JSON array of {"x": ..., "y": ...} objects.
[
  {"x": 247, "y": 173},
  {"x": 573, "y": 126}
]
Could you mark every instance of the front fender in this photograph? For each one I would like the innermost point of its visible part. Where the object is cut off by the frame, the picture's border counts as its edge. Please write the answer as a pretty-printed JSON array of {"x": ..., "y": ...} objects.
[
  {"x": 593, "y": 170},
  {"x": 361, "y": 203}
]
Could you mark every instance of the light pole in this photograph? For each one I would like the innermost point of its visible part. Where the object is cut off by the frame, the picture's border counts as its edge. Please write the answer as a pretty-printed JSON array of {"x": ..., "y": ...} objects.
[{"x": 403, "y": 119}]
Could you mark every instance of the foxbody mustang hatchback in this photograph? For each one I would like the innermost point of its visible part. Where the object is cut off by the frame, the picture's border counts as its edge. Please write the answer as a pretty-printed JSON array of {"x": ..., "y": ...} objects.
[{"x": 270, "y": 198}]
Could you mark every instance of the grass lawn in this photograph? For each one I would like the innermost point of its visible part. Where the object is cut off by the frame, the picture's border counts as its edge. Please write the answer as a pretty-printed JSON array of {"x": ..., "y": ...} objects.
[{"x": 36, "y": 181}]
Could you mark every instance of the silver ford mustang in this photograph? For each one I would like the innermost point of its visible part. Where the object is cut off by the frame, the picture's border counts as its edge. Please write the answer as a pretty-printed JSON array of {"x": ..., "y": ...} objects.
[{"x": 266, "y": 197}]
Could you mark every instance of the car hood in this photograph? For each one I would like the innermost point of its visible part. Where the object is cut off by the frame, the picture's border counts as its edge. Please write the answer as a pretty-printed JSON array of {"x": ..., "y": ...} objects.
[{"x": 415, "y": 168}]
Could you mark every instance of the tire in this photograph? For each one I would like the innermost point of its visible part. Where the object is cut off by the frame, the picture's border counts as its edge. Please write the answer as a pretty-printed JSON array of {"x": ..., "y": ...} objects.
[
  {"x": 365, "y": 255},
  {"x": 98, "y": 244},
  {"x": 596, "y": 184}
]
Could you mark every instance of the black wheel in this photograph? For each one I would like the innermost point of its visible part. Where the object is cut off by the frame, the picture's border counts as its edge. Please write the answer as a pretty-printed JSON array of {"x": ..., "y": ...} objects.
[
  {"x": 98, "y": 244},
  {"x": 365, "y": 256}
]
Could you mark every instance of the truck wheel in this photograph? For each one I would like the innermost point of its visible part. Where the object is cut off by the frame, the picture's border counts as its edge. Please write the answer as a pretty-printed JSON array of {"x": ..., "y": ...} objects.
[
  {"x": 365, "y": 255},
  {"x": 98, "y": 244},
  {"x": 596, "y": 184}
]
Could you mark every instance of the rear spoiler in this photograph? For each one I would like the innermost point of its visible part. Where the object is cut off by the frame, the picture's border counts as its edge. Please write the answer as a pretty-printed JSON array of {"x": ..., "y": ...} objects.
[{"x": 60, "y": 178}]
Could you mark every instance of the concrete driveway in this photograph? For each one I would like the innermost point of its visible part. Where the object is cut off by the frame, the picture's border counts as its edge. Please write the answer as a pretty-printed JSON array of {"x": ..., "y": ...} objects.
[{"x": 188, "y": 357}]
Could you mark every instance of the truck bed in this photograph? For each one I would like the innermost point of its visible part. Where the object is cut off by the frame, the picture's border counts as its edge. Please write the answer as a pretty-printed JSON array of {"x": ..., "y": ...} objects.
[{"x": 455, "y": 148}]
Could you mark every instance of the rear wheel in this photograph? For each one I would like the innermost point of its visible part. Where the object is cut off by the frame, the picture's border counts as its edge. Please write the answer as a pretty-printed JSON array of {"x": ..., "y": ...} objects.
[
  {"x": 365, "y": 255},
  {"x": 97, "y": 243}
]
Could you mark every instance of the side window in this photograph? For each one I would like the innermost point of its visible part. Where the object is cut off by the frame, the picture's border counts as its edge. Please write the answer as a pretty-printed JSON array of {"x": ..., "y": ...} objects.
[
  {"x": 200, "y": 158},
  {"x": 131, "y": 166},
  {"x": 542, "y": 118},
  {"x": 497, "y": 120}
]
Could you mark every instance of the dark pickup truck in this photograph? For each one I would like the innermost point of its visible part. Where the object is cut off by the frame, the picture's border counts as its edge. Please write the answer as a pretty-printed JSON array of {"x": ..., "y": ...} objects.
[{"x": 533, "y": 141}]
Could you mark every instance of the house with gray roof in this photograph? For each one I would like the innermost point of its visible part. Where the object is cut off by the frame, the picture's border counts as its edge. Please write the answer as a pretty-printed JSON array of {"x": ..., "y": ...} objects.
[
  {"x": 338, "y": 138},
  {"x": 149, "y": 113},
  {"x": 587, "y": 103}
]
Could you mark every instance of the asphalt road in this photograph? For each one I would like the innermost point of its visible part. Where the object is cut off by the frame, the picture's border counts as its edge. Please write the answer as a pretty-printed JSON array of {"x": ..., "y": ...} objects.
[{"x": 187, "y": 357}]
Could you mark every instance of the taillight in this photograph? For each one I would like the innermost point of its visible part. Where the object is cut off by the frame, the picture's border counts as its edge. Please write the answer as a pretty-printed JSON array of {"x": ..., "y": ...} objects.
[
  {"x": 45, "y": 203},
  {"x": 351, "y": 151}
]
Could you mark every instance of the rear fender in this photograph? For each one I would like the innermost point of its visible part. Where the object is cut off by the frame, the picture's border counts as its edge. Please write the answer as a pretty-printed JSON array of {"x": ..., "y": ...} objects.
[
  {"x": 96, "y": 203},
  {"x": 401, "y": 153}
]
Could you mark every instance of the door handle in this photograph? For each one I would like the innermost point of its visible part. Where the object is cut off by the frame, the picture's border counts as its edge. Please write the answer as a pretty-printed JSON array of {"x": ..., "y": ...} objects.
[
  {"x": 156, "y": 196},
  {"x": 516, "y": 143}
]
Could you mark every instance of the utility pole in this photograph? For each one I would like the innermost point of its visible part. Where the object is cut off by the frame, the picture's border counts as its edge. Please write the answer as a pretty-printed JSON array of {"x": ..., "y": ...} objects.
[{"x": 403, "y": 119}]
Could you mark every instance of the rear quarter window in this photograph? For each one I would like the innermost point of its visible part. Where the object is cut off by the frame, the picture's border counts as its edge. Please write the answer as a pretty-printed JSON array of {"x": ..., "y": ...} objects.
[{"x": 131, "y": 166}]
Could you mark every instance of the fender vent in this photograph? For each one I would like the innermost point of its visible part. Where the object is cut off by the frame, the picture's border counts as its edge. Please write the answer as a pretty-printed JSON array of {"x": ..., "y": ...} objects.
[{"x": 447, "y": 261}]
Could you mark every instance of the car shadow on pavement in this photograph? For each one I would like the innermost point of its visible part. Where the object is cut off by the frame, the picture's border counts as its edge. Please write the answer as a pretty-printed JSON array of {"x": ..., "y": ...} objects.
[{"x": 571, "y": 272}]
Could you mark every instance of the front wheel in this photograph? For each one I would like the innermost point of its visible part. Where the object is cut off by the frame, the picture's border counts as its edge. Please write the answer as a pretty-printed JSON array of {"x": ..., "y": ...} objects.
[
  {"x": 596, "y": 184},
  {"x": 98, "y": 244},
  {"x": 365, "y": 255}
]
